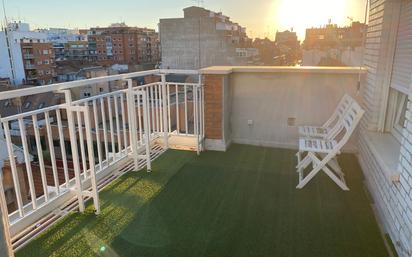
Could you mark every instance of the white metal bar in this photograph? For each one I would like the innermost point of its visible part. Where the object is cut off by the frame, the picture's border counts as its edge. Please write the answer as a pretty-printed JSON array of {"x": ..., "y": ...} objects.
[
  {"x": 118, "y": 133},
  {"x": 28, "y": 163},
  {"x": 109, "y": 103},
  {"x": 73, "y": 84},
  {"x": 195, "y": 127},
  {"x": 30, "y": 113},
  {"x": 131, "y": 110},
  {"x": 168, "y": 109},
  {"x": 165, "y": 110},
  {"x": 52, "y": 153},
  {"x": 75, "y": 153},
  {"x": 81, "y": 141},
  {"x": 151, "y": 110},
  {"x": 40, "y": 157},
  {"x": 90, "y": 99},
  {"x": 123, "y": 121},
  {"x": 139, "y": 116},
  {"x": 15, "y": 175},
  {"x": 93, "y": 81},
  {"x": 98, "y": 143},
  {"x": 106, "y": 143},
  {"x": 62, "y": 147},
  {"x": 186, "y": 121},
  {"x": 156, "y": 110},
  {"x": 147, "y": 132},
  {"x": 160, "y": 100},
  {"x": 177, "y": 109},
  {"x": 5, "y": 217},
  {"x": 92, "y": 165}
]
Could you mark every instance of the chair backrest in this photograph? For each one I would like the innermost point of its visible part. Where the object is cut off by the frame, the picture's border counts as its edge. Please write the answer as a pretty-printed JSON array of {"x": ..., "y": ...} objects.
[
  {"x": 343, "y": 106},
  {"x": 350, "y": 121}
]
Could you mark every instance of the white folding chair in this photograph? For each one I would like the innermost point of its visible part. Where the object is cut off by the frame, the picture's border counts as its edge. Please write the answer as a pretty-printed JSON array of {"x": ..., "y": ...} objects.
[
  {"x": 321, "y": 153},
  {"x": 329, "y": 129}
]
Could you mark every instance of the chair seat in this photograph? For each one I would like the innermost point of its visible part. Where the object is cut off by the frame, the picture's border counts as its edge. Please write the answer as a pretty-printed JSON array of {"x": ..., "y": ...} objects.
[
  {"x": 316, "y": 145},
  {"x": 312, "y": 131}
]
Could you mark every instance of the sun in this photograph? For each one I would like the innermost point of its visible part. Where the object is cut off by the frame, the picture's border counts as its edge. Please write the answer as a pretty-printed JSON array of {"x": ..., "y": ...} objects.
[{"x": 302, "y": 14}]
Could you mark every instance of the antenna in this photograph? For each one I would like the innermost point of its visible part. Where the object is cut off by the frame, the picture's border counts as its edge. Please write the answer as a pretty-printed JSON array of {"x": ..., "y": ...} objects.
[
  {"x": 4, "y": 12},
  {"x": 9, "y": 51}
]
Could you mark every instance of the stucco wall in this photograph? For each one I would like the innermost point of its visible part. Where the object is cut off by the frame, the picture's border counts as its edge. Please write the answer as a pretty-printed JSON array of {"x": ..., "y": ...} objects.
[{"x": 268, "y": 100}]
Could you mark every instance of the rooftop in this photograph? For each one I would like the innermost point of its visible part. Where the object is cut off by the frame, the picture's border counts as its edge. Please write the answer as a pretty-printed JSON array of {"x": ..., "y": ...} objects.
[{"x": 239, "y": 203}]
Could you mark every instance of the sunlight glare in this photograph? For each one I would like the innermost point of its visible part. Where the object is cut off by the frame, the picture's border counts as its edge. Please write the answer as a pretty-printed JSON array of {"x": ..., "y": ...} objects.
[{"x": 302, "y": 14}]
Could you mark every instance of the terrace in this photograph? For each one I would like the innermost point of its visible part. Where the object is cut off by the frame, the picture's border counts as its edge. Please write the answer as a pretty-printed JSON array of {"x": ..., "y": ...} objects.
[
  {"x": 184, "y": 168},
  {"x": 239, "y": 203}
]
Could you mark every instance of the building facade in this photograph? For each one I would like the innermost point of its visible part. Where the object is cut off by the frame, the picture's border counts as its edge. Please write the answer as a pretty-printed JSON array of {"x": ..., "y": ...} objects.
[
  {"x": 38, "y": 61},
  {"x": 289, "y": 46},
  {"x": 334, "y": 46},
  {"x": 385, "y": 141},
  {"x": 200, "y": 39},
  {"x": 11, "y": 59},
  {"x": 120, "y": 44},
  {"x": 76, "y": 51}
]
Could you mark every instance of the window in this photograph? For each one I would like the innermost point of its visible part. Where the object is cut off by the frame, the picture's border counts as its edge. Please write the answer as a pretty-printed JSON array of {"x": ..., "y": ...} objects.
[
  {"x": 27, "y": 105},
  {"x": 46, "y": 52},
  {"x": 396, "y": 114},
  {"x": 400, "y": 84},
  {"x": 321, "y": 37},
  {"x": 41, "y": 105}
]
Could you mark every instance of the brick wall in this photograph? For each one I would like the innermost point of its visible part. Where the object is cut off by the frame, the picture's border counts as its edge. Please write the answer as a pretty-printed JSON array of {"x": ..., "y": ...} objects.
[{"x": 213, "y": 106}]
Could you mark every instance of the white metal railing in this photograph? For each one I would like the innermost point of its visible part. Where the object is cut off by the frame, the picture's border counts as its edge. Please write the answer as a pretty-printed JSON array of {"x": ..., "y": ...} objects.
[{"x": 71, "y": 148}]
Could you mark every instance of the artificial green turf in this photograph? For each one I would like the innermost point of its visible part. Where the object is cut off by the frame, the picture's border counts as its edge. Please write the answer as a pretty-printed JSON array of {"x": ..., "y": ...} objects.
[{"x": 239, "y": 203}]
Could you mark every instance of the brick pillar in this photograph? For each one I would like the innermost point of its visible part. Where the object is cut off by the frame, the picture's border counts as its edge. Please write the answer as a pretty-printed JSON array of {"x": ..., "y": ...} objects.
[
  {"x": 214, "y": 112},
  {"x": 213, "y": 106}
]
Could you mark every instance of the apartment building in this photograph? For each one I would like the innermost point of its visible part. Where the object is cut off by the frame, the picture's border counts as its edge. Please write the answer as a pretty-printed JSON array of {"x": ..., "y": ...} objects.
[
  {"x": 59, "y": 37},
  {"x": 38, "y": 61},
  {"x": 76, "y": 51},
  {"x": 334, "y": 46},
  {"x": 120, "y": 44},
  {"x": 201, "y": 38},
  {"x": 11, "y": 59},
  {"x": 332, "y": 36},
  {"x": 289, "y": 46}
]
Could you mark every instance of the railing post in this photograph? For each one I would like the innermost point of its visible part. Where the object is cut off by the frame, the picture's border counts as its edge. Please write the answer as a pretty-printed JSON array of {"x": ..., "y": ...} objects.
[
  {"x": 146, "y": 129},
  {"x": 196, "y": 119},
  {"x": 92, "y": 164},
  {"x": 131, "y": 114},
  {"x": 165, "y": 112},
  {"x": 6, "y": 248},
  {"x": 75, "y": 153}
]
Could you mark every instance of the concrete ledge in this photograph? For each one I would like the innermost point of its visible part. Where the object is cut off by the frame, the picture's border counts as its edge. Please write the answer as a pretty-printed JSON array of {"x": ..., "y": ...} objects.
[
  {"x": 224, "y": 70},
  {"x": 215, "y": 145}
]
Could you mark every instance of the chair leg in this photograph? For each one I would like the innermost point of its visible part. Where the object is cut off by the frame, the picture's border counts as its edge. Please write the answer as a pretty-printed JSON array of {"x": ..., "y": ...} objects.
[
  {"x": 315, "y": 170},
  {"x": 341, "y": 183}
]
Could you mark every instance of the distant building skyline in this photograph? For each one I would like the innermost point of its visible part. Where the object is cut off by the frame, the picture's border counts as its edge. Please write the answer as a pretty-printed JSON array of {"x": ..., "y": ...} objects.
[{"x": 262, "y": 19}]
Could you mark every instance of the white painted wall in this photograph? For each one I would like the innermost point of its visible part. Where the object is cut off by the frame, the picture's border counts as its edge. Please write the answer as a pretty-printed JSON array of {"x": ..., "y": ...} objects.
[{"x": 269, "y": 99}]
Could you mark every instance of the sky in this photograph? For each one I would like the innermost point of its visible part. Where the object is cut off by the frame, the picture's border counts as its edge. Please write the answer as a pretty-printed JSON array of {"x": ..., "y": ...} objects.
[{"x": 262, "y": 18}]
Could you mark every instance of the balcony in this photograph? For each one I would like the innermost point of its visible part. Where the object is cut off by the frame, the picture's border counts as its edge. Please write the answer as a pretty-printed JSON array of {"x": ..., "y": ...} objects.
[
  {"x": 28, "y": 56},
  {"x": 29, "y": 66},
  {"x": 185, "y": 168}
]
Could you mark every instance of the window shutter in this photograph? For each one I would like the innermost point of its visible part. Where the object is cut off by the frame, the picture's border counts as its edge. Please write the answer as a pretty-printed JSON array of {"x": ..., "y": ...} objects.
[{"x": 402, "y": 68}]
